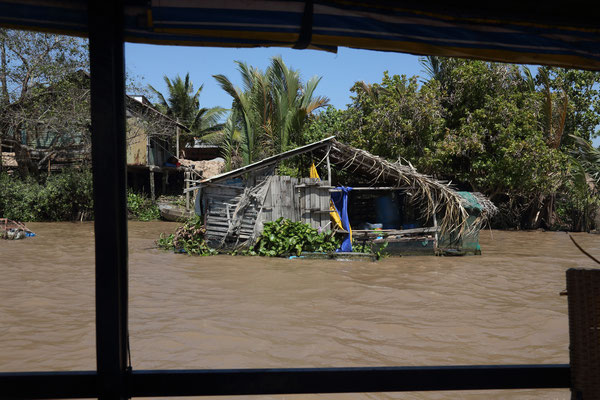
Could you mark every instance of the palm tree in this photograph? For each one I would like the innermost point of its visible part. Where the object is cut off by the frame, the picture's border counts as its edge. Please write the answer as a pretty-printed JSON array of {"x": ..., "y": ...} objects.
[
  {"x": 272, "y": 107},
  {"x": 585, "y": 174},
  {"x": 553, "y": 108},
  {"x": 183, "y": 103},
  {"x": 432, "y": 66},
  {"x": 554, "y": 113},
  {"x": 588, "y": 157},
  {"x": 248, "y": 107}
]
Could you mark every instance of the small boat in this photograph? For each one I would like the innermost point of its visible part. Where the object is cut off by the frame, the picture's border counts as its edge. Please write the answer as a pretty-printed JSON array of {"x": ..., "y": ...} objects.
[
  {"x": 13, "y": 230},
  {"x": 172, "y": 212}
]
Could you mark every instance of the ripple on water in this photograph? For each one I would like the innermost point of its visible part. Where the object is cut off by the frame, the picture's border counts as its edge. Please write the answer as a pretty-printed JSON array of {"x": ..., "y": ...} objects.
[{"x": 229, "y": 312}]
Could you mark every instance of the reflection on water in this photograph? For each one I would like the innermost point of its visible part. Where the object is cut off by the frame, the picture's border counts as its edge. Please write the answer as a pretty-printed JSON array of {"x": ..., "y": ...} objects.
[{"x": 247, "y": 312}]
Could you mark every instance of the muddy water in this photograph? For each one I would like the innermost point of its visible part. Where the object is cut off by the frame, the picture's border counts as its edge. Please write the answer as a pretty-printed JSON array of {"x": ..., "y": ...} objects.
[{"x": 229, "y": 312}]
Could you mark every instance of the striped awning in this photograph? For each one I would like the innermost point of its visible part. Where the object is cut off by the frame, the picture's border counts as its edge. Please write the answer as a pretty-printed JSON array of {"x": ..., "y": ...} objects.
[{"x": 562, "y": 34}]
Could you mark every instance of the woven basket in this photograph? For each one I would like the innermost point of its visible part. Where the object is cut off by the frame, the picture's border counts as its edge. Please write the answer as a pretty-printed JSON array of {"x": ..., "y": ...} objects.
[{"x": 583, "y": 288}]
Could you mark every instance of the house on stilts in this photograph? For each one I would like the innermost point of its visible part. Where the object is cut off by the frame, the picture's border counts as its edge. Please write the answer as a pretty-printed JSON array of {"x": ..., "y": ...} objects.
[{"x": 388, "y": 202}]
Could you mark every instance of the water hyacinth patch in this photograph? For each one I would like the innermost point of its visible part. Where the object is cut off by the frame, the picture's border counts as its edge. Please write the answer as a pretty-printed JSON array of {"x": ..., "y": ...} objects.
[{"x": 284, "y": 237}]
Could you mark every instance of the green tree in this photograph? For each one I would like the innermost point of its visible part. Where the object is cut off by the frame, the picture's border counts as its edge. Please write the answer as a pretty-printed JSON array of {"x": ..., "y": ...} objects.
[
  {"x": 272, "y": 108},
  {"x": 329, "y": 122},
  {"x": 41, "y": 98},
  {"x": 489, "y": 127},
  {"x": 432, "y": 66},
  {"x": 396, "y": 118},
  {"x": 579, "y": 89},
  {"x": 32, "y": 61},
  {"x": 183, "y": 104},
  {"x": 583, "y": 187}
]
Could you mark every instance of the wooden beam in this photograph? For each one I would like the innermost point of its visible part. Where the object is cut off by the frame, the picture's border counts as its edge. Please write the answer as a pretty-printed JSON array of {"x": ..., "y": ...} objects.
[
  {"x": 257, "y": 166},
  {"x": 329, "y": 178},
  {"x": 177, "y": 133},
  {"x": 187, "y": 193}
]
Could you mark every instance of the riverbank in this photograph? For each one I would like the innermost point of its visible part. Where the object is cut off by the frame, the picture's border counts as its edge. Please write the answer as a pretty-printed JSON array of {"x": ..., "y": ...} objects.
[
  {"x": 66, "y": 196},
  {"x": 242, "y": 312}
]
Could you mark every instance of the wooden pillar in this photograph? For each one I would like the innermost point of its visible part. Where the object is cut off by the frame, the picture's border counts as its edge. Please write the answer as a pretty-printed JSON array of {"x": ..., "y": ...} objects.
[
  {"x": 187, "y": 177},
  {"x": 329, "y": 167},
  {"x": 435, "y": 226},
  {"x": 107, "y": 87},
  {"x": 152, "y": 192},
  {"x": 177, "y": 140}
]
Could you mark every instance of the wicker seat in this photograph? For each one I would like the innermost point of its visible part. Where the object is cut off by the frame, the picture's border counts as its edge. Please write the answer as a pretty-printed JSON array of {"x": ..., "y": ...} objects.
[{"x": 583, "y": 288}]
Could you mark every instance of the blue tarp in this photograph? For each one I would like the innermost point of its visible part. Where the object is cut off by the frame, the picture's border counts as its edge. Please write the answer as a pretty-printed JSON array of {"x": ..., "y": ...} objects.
[{"x": 340, "y": 202}]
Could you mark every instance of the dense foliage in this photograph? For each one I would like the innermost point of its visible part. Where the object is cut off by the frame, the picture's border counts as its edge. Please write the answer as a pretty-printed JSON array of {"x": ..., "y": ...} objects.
[
  {"x": 188, "y": 238},
  {"x": 494, "y": 128},
  {"x": 141, "y": 207},
  {"x": 59, "y": 197},
  {"x": 41, "y": 100},
  {"x": 64, "y": 196},
  {"x": 284, "y": 237},
  {"x": 516, "y": 134}
]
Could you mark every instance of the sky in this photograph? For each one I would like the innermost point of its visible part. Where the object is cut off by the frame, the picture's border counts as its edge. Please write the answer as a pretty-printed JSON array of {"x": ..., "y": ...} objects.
[{"x": 149, "y": 63}]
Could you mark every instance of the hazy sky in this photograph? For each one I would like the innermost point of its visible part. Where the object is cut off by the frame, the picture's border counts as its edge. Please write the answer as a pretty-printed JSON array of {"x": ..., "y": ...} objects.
[{"x": 338, "y": 71}]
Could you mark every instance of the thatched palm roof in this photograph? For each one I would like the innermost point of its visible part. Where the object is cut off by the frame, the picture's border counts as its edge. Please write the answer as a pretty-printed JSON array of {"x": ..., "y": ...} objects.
[{"x": 433, "y": 196}]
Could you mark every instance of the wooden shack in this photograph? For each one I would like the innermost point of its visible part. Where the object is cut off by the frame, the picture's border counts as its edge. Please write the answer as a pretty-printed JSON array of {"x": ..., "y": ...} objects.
[
  {"x": 427, "y": 215},
  {"x": 152, "y": 139}
]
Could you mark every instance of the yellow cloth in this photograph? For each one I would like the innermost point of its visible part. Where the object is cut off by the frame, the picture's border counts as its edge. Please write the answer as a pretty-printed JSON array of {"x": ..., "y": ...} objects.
[
  {"x": 334, "y": 215},
  {"x": 313, "y": 172}
]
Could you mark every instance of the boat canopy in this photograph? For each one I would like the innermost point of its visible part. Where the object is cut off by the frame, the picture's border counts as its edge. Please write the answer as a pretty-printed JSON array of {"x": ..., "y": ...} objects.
[{"x": 556, "y": 33}]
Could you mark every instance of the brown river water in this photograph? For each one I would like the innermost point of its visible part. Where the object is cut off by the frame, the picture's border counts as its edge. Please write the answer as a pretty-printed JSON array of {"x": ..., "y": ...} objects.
[{"x": 248, "y": 312}]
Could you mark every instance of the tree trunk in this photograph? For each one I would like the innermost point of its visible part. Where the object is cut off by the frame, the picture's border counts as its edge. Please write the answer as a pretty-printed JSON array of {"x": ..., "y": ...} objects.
[
  {"x": 4, "y": 99},
  {"x": 24, "y": 162},
  {"x": 551, "y": 217}
]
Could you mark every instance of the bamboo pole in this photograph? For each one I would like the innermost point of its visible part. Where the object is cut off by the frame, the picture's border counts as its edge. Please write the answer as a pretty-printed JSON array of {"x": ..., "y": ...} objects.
[
  {"x": 187, "y": 193},
  {"x": 329, "y": 167},
  {"x": 435, "y": 225},
  {"x": 177, "y": 130}
]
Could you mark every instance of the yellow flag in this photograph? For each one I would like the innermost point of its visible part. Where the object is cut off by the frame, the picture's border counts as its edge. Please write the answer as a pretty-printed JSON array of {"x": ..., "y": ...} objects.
[
  {"x": 313, "y": 171},
  {"x": 334, "y": 215}
]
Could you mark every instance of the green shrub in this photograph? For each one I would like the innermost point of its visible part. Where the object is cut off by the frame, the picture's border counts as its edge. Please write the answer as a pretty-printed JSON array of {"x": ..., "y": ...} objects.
[
  {"x": 141, "y": 207},
  {"x": 283, "y": 237},
  {"x": 64, "y": 196},
  {"x": 67, "y": 196},
  {"x": 188, "y": 238}
]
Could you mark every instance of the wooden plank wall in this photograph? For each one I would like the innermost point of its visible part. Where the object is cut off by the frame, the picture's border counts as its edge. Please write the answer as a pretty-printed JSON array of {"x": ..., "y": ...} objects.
[
  {"x": 222, "y": 201},
  {"x": 313, "y": 203},
  {"x": 296, "y": 199}
]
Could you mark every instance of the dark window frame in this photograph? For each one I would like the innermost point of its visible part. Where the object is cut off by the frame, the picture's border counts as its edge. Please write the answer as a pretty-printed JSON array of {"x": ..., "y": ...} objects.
[{"x": 113, "y": 379}]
